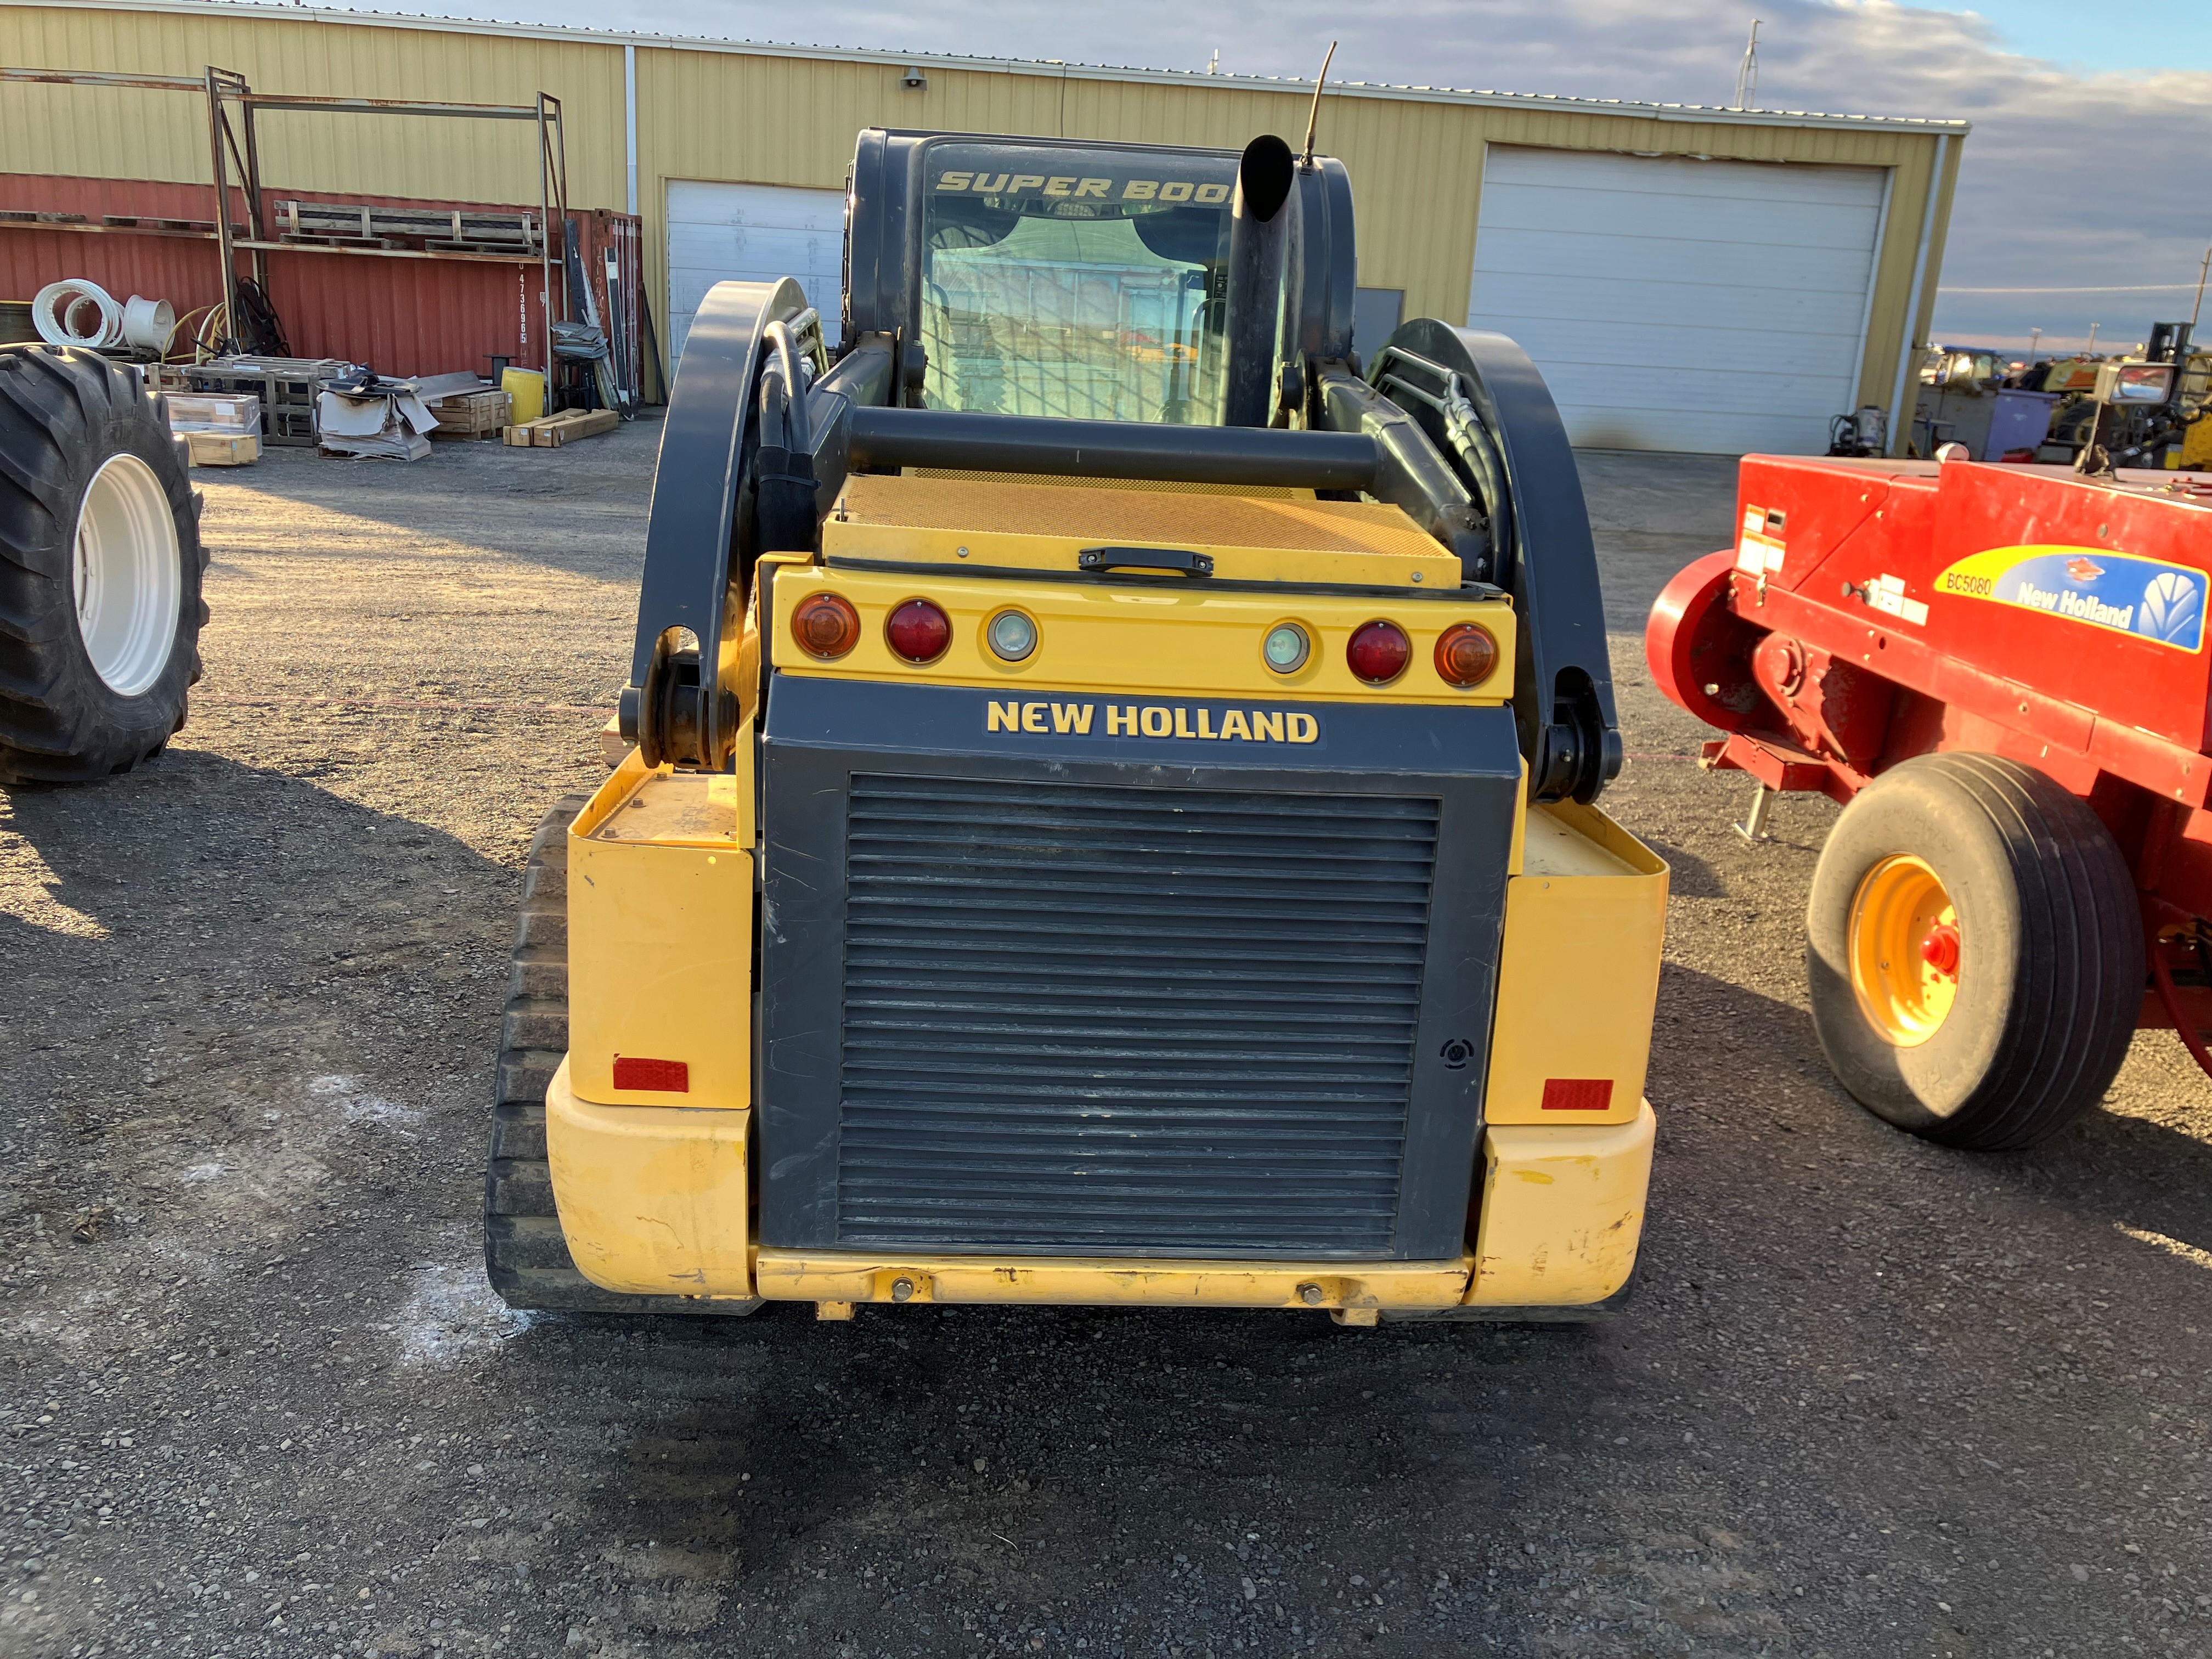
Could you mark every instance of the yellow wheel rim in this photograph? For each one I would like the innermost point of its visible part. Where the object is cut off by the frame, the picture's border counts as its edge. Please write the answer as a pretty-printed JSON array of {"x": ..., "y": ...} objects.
[{"x": 1905, "y": 950}]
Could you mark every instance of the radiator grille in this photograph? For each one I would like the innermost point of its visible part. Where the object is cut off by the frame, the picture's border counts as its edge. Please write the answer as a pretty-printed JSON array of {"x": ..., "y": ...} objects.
[{"x": 1084, "y": 1019}]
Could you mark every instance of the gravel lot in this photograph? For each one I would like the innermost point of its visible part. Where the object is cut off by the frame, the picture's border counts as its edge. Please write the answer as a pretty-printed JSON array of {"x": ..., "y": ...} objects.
[{"x": 1871, "y": 1398}]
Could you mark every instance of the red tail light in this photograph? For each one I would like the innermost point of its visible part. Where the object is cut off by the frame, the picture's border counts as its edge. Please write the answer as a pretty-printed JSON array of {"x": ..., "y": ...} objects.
[
  {"x": 1466, "y": 653},
  {"x": 1379, "y": 652},
  {"x": 918, "y": 631},
  {"x": 825, "y": 626}
]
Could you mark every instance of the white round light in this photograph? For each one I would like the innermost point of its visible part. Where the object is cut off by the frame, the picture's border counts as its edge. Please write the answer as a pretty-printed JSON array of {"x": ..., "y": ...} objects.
[
  {"x": 129, "y": 575},
  {"x": 1287, "y": 647},
  {"x": 1013, "y": 635}
]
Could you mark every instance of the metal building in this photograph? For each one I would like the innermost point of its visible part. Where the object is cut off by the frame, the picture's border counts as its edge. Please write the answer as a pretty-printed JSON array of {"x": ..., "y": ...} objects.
[{"x": 1687, "y": 278}]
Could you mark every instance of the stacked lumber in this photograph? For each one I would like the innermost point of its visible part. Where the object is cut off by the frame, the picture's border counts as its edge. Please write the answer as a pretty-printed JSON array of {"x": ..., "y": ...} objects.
[
  {"x": 357, "y": 224},
  {"x": 551, "y": 431}
]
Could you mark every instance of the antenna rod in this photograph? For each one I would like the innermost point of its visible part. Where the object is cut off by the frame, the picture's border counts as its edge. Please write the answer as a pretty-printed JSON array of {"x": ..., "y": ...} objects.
[
  {"x": 1313, "y": 119},
  {"x": 1747, "y": 74}
]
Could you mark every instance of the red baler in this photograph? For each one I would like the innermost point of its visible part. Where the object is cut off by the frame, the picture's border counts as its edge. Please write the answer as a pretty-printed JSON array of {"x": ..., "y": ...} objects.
[{"x": 2001, "y": 674}]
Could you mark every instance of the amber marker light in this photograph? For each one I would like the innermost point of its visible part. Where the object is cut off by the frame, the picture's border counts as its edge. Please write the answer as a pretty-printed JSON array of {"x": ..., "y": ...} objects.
[
  {"x": 1466, "y": 653},
  {"x": 918, "y": 631},
  {"x": 826, "y": 626},
  {"x": 1379, "y": 653}
]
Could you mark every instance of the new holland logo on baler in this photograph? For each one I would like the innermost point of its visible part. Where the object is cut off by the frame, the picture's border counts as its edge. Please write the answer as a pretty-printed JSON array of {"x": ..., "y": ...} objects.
[{"x": 2119, "y": 591}]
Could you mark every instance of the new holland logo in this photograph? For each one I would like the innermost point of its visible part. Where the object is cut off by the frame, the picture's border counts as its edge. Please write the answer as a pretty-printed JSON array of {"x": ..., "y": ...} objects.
[{"x": 1173, "y": 722}]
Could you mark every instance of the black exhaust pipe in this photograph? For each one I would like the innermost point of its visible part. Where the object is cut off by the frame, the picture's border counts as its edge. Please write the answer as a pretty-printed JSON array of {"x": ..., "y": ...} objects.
[{"x": 1258, "y": 245}]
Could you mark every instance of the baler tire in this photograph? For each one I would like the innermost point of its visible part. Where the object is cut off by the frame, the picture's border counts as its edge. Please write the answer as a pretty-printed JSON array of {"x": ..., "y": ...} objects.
[
  {"x": 77, "y": 431},
  {"x": 525, "y": 1256},
  {"x": 2048, "y": 949}
]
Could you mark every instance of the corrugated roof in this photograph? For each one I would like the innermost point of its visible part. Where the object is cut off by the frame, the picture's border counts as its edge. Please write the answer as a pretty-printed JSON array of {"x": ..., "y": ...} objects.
[{"x": 1650, "y": 112}]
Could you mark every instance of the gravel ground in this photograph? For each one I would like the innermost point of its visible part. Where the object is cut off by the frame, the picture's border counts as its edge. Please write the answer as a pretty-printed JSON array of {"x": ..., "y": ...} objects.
[{"x": 1871, "y": 1397}]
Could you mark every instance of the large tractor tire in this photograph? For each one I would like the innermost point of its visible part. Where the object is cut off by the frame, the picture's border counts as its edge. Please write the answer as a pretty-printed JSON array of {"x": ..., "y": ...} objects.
[
  {"x": 1975, "y": 952},
  {"x": 100, "y": 568},
  {"x": 524, "y": 1253}
]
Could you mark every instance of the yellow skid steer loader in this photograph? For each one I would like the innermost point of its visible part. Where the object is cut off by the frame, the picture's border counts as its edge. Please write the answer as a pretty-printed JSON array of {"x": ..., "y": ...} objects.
[{"x": 1111, "y": 816}]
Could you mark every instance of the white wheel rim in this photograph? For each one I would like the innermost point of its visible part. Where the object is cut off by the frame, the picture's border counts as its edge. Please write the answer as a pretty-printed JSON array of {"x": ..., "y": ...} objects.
[{"x": 129, "y": 575}]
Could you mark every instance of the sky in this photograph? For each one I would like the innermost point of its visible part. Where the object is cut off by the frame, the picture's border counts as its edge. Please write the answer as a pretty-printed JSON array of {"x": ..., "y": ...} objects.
[{"x": 2083, "y": 195}]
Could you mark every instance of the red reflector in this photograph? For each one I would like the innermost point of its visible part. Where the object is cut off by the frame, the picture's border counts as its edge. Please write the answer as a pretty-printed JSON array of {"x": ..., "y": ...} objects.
[
  {"x": 1577, "y": 1094},
  {"x": 671, "y": 1076}
]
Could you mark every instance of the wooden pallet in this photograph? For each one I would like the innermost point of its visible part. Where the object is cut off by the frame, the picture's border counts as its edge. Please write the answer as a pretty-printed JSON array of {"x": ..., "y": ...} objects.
[
  {"x": 480, "y": 415},
  {"x": 552, "y": 431}
]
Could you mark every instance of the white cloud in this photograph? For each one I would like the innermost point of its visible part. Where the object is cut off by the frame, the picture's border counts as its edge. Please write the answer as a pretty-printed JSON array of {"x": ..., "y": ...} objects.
[{"x": 2069, "y": 179}]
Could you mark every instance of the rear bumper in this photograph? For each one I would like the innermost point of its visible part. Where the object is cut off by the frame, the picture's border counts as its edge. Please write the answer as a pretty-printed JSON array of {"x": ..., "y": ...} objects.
[
  {"x": 1562, "y": 1210},
  {"x": 654, "y": 1200}
]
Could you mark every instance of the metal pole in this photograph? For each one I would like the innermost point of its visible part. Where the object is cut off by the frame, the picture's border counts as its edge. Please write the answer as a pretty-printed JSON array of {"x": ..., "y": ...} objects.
[
  {"x": 1900, "y": 420},
  {"x": 629, "y": 107},
  {"x": 221, "y": 205},
  {"x": 253, "y": 209},
  {"x": 545, "y": 247},
  {"x": 2197, "y": 310},
  {"x": 1747, "y": 74},
  {"x": 1861, "y": 369},
  {"x": 561, "y": 185},
  {"x": 2034, "y": 345}
]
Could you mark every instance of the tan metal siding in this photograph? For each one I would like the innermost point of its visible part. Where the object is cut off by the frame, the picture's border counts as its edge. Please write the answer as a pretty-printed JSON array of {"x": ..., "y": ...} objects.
[
  {"x": 756, "y": 118},
  {"x": 163, "y": 134}
]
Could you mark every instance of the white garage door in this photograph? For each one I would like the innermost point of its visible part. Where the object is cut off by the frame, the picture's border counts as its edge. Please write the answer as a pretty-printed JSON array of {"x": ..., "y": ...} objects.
[
  {"x": 751, "y": 234},
  {"x": 1676, "y": 304}
]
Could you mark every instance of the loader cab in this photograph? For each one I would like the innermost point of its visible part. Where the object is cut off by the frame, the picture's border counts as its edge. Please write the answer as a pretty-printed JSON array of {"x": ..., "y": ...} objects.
[{"x": 1094, "y": 281}]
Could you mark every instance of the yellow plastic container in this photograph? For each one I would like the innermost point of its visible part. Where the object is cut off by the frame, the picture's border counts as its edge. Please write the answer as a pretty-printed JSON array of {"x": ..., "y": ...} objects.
[{"x": 527, "y": 387}]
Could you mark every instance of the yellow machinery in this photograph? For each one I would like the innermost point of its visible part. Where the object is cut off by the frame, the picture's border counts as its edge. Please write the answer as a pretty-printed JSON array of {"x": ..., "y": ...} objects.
[{"x": 1111, "y": 816}]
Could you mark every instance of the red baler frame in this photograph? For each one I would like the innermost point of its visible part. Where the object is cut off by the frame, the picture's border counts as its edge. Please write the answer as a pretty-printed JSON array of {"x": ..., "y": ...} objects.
[{"x": 1875, "y": 610}]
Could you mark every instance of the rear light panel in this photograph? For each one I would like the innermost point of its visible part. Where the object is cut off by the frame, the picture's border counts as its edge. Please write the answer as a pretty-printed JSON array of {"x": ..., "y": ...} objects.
[{"x": 918, "y": 632}]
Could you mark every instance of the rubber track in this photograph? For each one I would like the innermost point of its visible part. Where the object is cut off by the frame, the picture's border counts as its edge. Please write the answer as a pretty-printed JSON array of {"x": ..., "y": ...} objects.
[
  {"x": 2068, "y": 1036},
  {"x": 51, "y": 399},
  {"x": 525, "y": 1254}
]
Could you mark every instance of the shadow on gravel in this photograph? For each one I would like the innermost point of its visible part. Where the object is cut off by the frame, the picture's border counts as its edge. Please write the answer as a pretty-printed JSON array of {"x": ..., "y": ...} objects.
[
  {"x": 2125, "y": 1171},
  {"x": 235, "y": 965},
  {"x": 1688, "y": 876},
  {"x": 194, "y": 859},
  {"x": 1735, "y": 1056},
  {"x": 1038, "y": 1450}
]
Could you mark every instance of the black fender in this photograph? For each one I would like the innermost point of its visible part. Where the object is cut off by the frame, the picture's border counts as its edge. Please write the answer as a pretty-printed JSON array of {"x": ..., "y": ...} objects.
[
  {"x": 693, "y": 528},
  {"x": 1481, "y": 401}
]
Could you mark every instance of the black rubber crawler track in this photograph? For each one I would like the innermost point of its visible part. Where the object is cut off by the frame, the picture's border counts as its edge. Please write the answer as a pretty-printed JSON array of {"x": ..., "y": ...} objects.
[{"x": 525, "y": 1254}]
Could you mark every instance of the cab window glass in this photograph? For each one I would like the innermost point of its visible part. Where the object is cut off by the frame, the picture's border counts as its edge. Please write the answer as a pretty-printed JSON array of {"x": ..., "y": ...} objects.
[{"x": 1073, "y": 285}]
